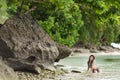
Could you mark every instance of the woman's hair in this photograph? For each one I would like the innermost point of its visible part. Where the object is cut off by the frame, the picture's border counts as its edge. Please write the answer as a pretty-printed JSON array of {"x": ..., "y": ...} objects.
[{"x": 92, "y": 60}]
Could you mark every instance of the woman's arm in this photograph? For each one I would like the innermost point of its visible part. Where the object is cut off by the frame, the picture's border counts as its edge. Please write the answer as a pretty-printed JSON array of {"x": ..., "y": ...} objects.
[{"x": 87, "y": 67}]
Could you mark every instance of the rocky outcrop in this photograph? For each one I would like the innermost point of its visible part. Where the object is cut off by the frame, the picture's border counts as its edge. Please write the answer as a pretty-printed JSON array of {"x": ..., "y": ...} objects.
[
  {"x": 107, "y": 49},
  {"x": 64, "y": 51},
  {"x": 26, "y": 46},
  {"x": 24, "y": 65},
  {"x": 26, "y": 43}
]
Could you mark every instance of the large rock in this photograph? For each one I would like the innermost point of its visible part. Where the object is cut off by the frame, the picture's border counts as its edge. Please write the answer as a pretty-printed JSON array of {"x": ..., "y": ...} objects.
[
  {"x": 26, "y": 46},
  {"x": 64, "y": 51},
  {"x": 25, "y": 65}
]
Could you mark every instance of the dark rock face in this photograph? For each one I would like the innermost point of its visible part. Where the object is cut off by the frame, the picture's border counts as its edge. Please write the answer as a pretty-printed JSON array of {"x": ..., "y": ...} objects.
[
  {"x": 21, "y": 37},
  {"x": 76, "y": 71},
  {"x": 63, "y": 52},
  {"x": 26, "y": 46}
]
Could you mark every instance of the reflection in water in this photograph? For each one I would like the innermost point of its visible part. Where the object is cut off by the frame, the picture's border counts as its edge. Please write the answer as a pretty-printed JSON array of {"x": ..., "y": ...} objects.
[{"x": 109, "y": 65}]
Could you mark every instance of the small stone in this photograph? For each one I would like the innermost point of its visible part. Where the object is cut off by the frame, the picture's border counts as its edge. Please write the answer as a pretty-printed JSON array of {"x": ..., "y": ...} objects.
[{"x": 76, "y": 71}]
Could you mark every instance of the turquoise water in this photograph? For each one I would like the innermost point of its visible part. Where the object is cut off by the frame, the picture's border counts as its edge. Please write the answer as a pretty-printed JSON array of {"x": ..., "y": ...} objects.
[{"x": 108, "y": 64}]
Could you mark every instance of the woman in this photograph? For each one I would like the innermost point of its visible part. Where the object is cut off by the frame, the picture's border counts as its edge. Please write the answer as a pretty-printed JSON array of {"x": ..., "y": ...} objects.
[{"x": 91, "y": 64}]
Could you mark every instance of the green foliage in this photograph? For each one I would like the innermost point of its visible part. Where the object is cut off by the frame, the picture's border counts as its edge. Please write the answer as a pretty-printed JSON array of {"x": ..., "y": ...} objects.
[
  {"x": 3, "y": 13},
  {"x": 101, "y": 21},
  {"x": 61, "y": 19},
  {"x": 69, "y": 21},
  {"x": 18, "y": 6},
  {"x": 63, "y": 22}
]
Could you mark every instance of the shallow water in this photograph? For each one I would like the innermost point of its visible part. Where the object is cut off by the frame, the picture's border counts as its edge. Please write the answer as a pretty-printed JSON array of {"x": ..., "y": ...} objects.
[{"x": 108, "y": 64}]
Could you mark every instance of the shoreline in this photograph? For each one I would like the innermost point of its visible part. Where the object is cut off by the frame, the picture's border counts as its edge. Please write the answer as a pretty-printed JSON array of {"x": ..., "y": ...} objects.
[
  {"x": 84, "y": 75},
  {"x": 77, "y": 54}
]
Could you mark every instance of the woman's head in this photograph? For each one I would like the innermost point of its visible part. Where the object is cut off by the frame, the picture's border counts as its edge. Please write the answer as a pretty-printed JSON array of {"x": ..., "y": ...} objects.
[{"x": 91, "y": 58}]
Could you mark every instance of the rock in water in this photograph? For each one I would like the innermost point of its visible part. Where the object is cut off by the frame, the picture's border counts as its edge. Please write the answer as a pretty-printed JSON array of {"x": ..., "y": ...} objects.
[
  {"x": 64, "y": 51},
  {"x": 26, "y": 43},
  {"x": 76, "y": 71}
]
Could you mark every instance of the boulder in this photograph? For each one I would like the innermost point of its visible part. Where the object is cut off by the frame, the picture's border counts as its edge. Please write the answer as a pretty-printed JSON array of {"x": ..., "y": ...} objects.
[
  {"x": 24, "y": 65},
  {"x": 64, "y": 51},
  {"x": 22, "y": 37},
  {"x": 26, "y": 46}
]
